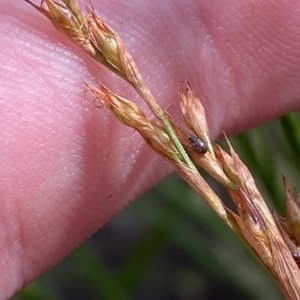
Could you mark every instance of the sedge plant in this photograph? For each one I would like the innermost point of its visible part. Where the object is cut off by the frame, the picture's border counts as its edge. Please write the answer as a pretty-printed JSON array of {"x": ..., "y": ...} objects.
[{"x": 272, "y": 239}]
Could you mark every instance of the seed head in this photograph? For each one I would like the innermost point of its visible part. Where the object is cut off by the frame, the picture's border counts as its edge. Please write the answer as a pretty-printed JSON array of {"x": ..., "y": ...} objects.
[
  {"x": 194, "y": 115},
  {"x": 293, "y": 211},
  {"x": 131, "y": 115}
]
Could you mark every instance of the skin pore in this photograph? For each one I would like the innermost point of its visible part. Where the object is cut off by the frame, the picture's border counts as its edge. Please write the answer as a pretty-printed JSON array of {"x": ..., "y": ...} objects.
[{"x": 67, "y": 167}]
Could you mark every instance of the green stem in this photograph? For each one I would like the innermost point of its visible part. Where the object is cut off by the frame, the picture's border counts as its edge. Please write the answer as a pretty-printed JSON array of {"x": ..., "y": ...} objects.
[{"x": 176, "y": 141}]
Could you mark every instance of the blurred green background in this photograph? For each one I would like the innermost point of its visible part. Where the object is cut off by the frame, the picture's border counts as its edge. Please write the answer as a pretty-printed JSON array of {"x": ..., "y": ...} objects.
[{"x": 170, "y": 245}]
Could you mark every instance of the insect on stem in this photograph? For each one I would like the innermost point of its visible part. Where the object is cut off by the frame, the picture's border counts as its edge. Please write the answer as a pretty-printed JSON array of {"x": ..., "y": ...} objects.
[{"x": 197, "y": 144}]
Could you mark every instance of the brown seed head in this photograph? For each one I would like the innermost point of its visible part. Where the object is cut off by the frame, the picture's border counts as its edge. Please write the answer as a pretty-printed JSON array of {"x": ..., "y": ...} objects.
[
  {"x": 238, "y": 172},
  {"x": 105, "y": 40},
  {"x": 63, "y": 18},
  {"x": 284, "y": 266},
  {"x": 251, "y": 226},
  {"x": 194, "y": 115},
  {"x": 193, "y": 177},
  {"x": 293, "y": 211},
  {"x": 131, "y": 115},
  {"x": 69, "y": 20}
]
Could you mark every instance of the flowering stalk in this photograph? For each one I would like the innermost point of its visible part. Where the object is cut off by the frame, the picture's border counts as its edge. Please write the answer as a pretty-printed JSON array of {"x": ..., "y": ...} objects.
[
  {"x": 156, "y": 136},
  {"x": 95, "y": 37},
  {"x": 275, "y": 242}
]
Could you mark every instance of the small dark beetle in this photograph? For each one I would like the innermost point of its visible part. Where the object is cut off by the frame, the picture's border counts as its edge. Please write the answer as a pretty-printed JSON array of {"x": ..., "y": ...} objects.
[
  {"x": 296, "y": 256},
  {"x": 197, "y": 144}
]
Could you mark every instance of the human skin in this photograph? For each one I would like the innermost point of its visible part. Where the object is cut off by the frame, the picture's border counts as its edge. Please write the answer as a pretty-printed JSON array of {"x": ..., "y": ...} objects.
[{"x": 67, "y": 167}]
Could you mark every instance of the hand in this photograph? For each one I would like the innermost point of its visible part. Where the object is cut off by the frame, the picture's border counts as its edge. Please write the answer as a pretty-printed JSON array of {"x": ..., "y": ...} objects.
[{"x": 67, "y": 167}]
